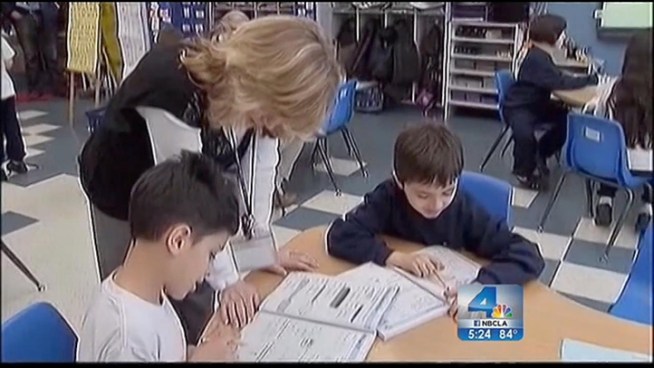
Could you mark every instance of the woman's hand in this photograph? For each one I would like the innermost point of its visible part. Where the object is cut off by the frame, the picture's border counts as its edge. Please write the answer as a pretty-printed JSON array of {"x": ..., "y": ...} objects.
[
  {"x": 238, "y": 304},
  {"x": 292, "y": 260}
]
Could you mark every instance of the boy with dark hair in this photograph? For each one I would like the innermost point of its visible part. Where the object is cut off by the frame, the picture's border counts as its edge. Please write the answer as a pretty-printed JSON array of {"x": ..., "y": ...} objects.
[
  {"x": 528, "y": 102},
  {"x": 422, "y": 204},
  {"x": 181, "y": 213}
]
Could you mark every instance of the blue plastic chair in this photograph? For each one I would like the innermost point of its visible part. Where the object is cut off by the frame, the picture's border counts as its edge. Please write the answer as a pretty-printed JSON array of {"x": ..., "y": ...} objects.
[
  {"x": 493, "y": 194},
  {"x": 503, "y": 80},
  {"x": 595, "y": 148},
  {"x": 38, "y": 334},
  {"x": 339, "y": 117},
  {"x": 635, "y": 302}
]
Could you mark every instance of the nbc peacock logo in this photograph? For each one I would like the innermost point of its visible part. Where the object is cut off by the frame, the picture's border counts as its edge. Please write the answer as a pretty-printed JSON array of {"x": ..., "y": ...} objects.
[{"x": 502, "y": 311}]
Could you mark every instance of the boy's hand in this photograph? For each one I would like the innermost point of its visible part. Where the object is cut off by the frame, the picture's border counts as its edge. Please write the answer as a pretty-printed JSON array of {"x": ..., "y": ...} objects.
[
  {"x": 218, "y": 345},
  {"x": 418, "y": 264},
  {"x": 291, "y": 260},
  {"x": 452, "y": 299},
  {"x": 238, "y": 304}
]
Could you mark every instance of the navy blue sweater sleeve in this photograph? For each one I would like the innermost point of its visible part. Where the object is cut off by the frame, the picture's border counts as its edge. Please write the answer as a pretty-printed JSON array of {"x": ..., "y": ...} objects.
[
  {"x": 513, "y": 259},
  {"x": 539, "y": 69},
  {"x": 355, "y": 237}
]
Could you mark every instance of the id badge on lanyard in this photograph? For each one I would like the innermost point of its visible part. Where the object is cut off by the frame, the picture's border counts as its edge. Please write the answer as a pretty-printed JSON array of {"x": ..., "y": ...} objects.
[{"x": 255, "y": 248}]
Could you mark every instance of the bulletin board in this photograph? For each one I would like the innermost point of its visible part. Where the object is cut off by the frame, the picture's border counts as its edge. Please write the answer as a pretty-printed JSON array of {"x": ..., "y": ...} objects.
[{"x": 83, "y": 37}]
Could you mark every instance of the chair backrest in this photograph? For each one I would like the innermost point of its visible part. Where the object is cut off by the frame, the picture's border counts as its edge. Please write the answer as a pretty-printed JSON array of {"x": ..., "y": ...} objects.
[
  {"x": 596, "y": 146},
  {"x": 643, "y": 265},
  {"x": 343, "y": 108},
  {"x": 38, "y": 333},
  {"x": 493, "y": 194},
  {"x": 635, "y": 302},
  {"x": 503, "y": 81}
]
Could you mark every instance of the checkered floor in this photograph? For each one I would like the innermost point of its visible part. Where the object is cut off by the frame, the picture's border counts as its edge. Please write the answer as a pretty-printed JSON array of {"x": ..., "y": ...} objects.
[{"x": 44, "y": 212}]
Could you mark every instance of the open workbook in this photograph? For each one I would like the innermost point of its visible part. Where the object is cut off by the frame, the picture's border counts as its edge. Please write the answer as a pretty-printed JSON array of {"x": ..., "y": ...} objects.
[
  {"x": 419, "y": 299},
  {"x": 316, "y": 318}
]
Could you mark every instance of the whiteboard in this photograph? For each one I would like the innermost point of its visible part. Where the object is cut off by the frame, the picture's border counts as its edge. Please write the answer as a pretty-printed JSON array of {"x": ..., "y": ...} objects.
[{"x": 634, "y": 15}]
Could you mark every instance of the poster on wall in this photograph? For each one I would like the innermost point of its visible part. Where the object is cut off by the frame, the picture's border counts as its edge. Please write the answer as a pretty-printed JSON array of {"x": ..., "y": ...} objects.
[
  {"x": 191, "y": 18},
  {"x": 133, "y": 34},
  {"x": 83, "y": 37}
]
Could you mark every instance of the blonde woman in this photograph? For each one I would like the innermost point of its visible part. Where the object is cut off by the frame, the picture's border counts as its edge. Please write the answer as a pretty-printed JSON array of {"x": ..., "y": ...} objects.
[
  {"x": 289, "y": 149},
  {"x": 275, "y": 77}
]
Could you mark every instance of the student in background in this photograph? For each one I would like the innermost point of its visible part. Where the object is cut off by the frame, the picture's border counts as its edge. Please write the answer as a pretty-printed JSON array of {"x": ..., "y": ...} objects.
[
  {"x": 422, "y": 203},
  {"x": 181, "y": 213},
  {"x": 528, "y": 102},
  {"x": 36, "y": 27},
  {"x": 15, "y": 147},
  {"x": 228, "y": 24},
  {"x": 627, "y": 99}
]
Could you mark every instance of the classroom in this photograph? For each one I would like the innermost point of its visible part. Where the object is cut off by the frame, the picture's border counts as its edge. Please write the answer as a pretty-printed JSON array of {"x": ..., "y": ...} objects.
[{"x": 327, "y": 182}]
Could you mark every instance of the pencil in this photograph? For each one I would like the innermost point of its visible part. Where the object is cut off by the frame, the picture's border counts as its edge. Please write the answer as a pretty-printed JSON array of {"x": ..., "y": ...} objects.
[{"x": 440, "y": 279}]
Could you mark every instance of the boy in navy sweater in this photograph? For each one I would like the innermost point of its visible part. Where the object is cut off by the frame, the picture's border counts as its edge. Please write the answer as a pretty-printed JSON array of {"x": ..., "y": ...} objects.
[
  {"x": 423, "y": 204},
  {"x": 528, "y": 102}
]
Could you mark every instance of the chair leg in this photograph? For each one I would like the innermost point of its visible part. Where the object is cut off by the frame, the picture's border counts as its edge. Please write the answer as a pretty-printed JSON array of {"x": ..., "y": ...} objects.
[
  {"x": 589, "y": 198},
  {"x": 278, "y": 199},
  {"x": 506, "y": 146},
  {"x": 21, "y": 266},
  {"x": 347, "y": 142},
  {"x": 355, "y": 149},
  {"x": 618, "y": 225},
  {"x": 314, "y": 152},
  {"x": 323, "y": 153},
  {"x": 493, "y": 147},
  {"x": 550, "y": 204}
]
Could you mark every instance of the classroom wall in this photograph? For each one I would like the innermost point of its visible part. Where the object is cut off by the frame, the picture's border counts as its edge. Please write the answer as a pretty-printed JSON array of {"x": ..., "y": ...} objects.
[{"x": 582, "y": 27}]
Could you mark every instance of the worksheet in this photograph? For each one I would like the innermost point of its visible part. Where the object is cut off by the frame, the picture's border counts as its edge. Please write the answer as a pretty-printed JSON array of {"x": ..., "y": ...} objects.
[
  {"x": 412, "y": 306},
  {"x": 330, "y": 300},
  {"x": 294, "y": 340},
  {"x": 316, "y": 318}
]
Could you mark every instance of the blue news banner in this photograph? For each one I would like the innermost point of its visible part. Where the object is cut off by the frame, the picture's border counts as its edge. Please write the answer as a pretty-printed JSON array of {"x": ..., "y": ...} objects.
[{"x": 490, "y": 313}]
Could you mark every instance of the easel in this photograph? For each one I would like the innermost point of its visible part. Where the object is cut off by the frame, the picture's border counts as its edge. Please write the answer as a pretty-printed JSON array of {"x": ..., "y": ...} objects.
[{"x": 96, "y": 73}]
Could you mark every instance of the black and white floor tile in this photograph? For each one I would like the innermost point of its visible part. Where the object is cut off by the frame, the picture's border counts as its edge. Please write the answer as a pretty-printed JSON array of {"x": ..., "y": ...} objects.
[{"x": 45, "y": 221}]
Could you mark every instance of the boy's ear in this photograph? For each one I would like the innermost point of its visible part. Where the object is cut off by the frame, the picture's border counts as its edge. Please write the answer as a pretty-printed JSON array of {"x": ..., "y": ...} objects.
[{"x": 178, "y": 238}]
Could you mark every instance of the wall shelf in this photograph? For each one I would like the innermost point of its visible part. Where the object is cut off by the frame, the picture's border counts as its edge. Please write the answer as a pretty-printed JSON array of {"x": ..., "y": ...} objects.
[{"x": 475, "y": 51}]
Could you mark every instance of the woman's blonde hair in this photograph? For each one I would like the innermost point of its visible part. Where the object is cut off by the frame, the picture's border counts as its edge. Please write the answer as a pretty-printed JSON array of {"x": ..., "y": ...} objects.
[
  {"x": 276, "y": 73},
  {"x": 228, "y": 24}
]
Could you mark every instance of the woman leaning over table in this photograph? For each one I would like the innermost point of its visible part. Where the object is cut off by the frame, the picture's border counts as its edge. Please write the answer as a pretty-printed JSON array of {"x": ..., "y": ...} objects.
[{"x": 273, "y": 78}]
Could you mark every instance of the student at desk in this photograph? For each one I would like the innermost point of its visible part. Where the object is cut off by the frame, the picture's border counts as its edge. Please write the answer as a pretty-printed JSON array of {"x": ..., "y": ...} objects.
[
  {"x": 422, "y": 204},
  {"x": 528, "y": 102},
  {"x": 181, "y": 213},
  {"x": 628, "y": 100}
]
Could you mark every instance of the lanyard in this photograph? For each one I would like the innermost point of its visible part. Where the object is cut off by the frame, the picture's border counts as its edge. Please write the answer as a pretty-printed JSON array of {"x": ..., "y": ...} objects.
[{"x": 246, "y": 195}]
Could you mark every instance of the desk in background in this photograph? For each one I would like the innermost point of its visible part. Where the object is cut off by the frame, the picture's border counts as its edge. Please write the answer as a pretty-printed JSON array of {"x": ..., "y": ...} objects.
[
  {"x": 576, "y": 98},
  {"x": 549, "y": 318}
]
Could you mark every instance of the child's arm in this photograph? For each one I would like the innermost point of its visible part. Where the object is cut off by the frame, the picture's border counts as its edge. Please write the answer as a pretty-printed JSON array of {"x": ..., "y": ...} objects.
[
  {"x": 539, "y": 70},
  {"x": 354, "y": 237},
  {"x": 514, "y": 260}
]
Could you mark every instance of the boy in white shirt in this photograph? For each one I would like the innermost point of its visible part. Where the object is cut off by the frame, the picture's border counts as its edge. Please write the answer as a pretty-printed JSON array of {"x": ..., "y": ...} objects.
[
  {"x": 181, "y": 213},
  {"x": 8, "y": 117}
]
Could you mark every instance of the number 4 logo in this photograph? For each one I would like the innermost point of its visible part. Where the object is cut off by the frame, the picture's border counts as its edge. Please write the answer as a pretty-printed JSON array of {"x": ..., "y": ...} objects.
[{"x": 485, "y": 301}]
